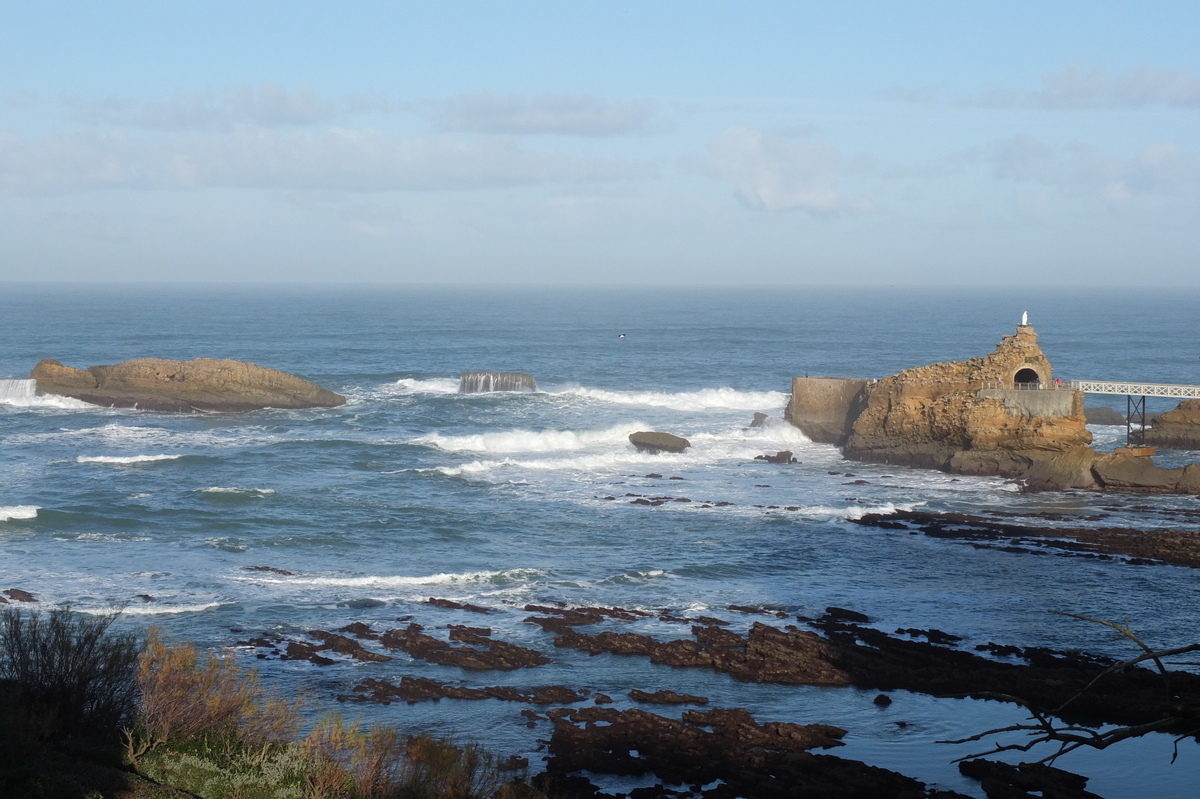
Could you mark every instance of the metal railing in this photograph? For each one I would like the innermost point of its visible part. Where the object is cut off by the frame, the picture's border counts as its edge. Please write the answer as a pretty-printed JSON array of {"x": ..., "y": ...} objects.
[
  {"x": 1138, "y": 389},
  {"x": 1103, "y": 387},
  {"x": 1010, "y": 385}
]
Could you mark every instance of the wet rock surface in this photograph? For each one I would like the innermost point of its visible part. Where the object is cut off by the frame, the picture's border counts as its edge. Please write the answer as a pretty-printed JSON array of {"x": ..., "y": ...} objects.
[
  {"x": 1026, "y": 781},
  {"x": 450, "y": 604},
  {"x": 765, "y": 654},
  {"x": 18, "y": 595},
  {"x": 419, "y": 689},
  {"x": 1175, "y": 547},
  {"x": 480, "y": 653},
  {"x": 666, "y": 697},
  {"x": 853, "y": 654},
  {"x": 747, "y": 758}
]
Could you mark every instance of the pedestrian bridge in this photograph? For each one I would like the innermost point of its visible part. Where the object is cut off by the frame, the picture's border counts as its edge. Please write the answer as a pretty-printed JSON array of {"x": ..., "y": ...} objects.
[{"x": 1135, "y": 389}]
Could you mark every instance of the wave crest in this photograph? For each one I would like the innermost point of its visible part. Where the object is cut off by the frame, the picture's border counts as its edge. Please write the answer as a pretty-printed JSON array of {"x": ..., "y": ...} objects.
[
  {"x": 15, "y": 512},
  {"x": 707, "y": 399},
  {"x": 124, "y": 460},
  {"x": 529, "y": 440}
]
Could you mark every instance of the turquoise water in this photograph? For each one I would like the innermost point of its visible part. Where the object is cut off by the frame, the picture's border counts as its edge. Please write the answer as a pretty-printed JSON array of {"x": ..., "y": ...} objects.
[{"x": 411, "y": 490}]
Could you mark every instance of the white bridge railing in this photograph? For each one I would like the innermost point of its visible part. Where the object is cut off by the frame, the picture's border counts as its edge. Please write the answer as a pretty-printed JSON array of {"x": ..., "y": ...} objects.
[{"x": 1136, "y": 389}]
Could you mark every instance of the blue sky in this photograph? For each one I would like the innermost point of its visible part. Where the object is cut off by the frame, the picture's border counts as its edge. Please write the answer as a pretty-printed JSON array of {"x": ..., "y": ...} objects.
[{"x": 621, "y": 143}]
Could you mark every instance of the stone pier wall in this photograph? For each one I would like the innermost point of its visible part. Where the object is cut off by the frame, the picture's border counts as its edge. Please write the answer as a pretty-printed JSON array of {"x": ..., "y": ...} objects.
[
  {"x": 1051, "y": 404},
  {"x": 824, "y": 408}
]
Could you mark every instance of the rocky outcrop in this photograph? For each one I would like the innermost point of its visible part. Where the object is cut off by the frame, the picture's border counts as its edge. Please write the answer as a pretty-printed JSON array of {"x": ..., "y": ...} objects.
[
  {"x": 971, "y": 417},
  {"x": 1177, "y": 429},
  {"x": 999, "y": 414},
  {"x": 654, "y": 443},
  {"x": 203, "y": 384},
  {"x": 486, "y": 382}
]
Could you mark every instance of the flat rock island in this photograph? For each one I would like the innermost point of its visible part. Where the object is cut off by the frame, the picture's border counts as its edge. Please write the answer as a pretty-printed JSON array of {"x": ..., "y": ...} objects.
[{"x": 203, "y": 384}]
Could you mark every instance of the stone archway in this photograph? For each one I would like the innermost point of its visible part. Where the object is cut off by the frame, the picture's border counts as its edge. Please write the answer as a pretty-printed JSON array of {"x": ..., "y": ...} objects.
[{"x": 1026, "y": 377}]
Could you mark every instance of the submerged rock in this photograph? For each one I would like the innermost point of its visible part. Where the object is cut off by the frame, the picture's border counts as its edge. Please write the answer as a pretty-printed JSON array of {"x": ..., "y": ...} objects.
[
  {"x": 485, "y": 382},
  {"x": 203, "y": 384}
]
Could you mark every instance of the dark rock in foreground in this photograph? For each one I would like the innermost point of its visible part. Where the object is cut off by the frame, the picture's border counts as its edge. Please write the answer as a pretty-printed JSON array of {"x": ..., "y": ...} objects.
[
  {"x": 486, "y": 382},
  {"x": 203, "y": 384},
  {"x": 654, "y": 443},
  {"x": 1179, "y": 547},
  {"x": 1006, "y": 781},
  {"x": 726, "y": 748}
]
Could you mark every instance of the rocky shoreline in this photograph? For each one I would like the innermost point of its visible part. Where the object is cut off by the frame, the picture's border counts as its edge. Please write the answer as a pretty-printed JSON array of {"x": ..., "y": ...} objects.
[{"x": 707, "y": 752}]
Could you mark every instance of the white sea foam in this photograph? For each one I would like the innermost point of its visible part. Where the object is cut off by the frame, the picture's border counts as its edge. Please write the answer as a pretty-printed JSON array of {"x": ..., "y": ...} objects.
[
  {"x": 258, "y": 492},
  {"x": 395, "y": 581},
  {"x": 135, "y": 435},
  {"x": 18, "y": 512},
  {"x": 154, "y": 609},
  {"x": 23, "y": 394},
  {"x": 597, "y": 463},
  {"x": 858, "y": 511},
  {"x": 605, "y": 451},
  {"x": 530, "y": 440},
  {"x": 125, "y": 460},
  {"x": 708, "y": 399},
  {"x": 432, "y": 385}
]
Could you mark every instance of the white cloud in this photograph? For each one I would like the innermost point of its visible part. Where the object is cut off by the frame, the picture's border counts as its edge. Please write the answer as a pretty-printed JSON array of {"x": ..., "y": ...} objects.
[
  {"x": 1162, "y": 169},
  {"x": 774, "y": 172},
  {"x": 1076, "y": 86},
  {"x": 255, "y": 157},
  {"x": 564, "y": 114},
  {"x": 268, "y": 105}
]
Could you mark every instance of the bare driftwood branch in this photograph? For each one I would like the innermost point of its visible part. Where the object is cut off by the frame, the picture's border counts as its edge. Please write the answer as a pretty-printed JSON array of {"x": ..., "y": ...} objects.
[{"x": 1043, "y": 726}]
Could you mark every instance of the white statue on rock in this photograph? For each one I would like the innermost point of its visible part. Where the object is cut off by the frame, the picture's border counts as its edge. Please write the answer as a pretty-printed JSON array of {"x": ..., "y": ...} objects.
[{"x": 1025, "y": 319}]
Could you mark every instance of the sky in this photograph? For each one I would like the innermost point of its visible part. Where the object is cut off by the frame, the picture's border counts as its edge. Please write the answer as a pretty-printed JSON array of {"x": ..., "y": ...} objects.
[{"x": 612, "y": 143}]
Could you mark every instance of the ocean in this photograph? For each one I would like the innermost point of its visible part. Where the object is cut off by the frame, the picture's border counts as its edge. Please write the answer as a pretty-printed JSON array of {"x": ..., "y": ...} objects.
[{"x": 412, "y": 491}]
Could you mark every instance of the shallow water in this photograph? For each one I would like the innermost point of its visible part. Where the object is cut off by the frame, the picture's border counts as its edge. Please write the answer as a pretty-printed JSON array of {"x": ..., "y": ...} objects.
[{"x": 411, "y": 490}]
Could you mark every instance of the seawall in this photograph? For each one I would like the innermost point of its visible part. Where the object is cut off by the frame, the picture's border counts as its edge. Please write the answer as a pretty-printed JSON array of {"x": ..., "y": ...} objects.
[{"x": 824, "y": 408}]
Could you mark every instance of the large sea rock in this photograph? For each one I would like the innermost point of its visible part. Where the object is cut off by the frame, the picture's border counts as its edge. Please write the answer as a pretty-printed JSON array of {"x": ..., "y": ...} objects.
[
  {"x": 999, "y": 414},
  {"x": 983, "y": 416},
  {"x": 1177, "y": 429},
  {"x": 203, "y": 384}
]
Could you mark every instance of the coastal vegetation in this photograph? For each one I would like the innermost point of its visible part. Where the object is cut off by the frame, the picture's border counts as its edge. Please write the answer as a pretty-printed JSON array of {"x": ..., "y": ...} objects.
[{"x": 90, "y": 712}]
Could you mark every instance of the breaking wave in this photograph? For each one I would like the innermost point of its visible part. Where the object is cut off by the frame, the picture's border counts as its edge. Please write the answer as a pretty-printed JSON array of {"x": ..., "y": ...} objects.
[
  {"x": 23, "y": 394},
  {"x": 154, "y": 609},
  {"x": 501, "y": 577},
  {"x": 708, "y": 399},
  {"x": 249, "y": 492},
  {"x": 124, "y": 460},
  {"x": 432, "y": 385},
  {"x": 529, "y": 440},
  {"x": 15, "y": 512}
]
